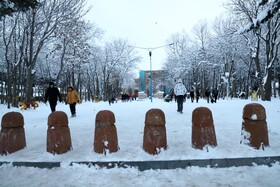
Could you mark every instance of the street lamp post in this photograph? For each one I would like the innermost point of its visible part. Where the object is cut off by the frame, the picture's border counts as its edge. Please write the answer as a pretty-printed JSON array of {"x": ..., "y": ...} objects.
[
  {"x": 150, "y": 55},
  {"x": 151, "y": 79}
]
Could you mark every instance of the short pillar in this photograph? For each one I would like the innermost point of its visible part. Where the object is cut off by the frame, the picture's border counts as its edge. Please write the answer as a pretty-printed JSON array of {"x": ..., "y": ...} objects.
[
  {"x": 105, "y": 134},
  {"x": 12, "y": 135},
  {"x": 203, "y": 131},
  {"x": 58, "y": 135},
  {"x": 254, "y": 127},
  {"x": 154, "y": 132}
]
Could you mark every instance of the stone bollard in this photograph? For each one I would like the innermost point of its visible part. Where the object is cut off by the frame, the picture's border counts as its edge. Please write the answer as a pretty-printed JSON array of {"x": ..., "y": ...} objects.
[
  {"x": 12, "y": 135},
  {"x": 154, "y": 132},
  {"x": 254, "y": 127},
  {"x": 58, "y": 135},
  {"x": 105, "y": 134},
  {"x": 203, "y": 130}
]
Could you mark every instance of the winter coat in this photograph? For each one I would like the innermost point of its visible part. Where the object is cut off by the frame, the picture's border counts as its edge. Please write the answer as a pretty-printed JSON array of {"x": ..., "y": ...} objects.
[
  {"x": 207, "y": 93},
  {"x": 215, "y": 92},
  {"x": 192, "y": 93},
  {"x": 72, "y": 97},
  {"x": 180, "y": 89},
  {"x": 52, "y": 95}
]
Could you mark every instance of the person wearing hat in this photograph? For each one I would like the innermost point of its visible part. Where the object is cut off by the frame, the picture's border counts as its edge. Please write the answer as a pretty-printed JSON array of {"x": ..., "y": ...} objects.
[
  {"x": 72, "y": 98},
  {"x": 52, "y": 95},
  {"x": 179, "y": 91}
]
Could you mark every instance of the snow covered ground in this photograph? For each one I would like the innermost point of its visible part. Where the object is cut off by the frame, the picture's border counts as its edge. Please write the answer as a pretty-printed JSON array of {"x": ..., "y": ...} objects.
[{"x": 130, "y": 117}]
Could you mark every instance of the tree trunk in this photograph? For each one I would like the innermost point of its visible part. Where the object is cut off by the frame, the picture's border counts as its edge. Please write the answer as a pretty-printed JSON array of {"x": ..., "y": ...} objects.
[
  {"x": 97, "y": 87},
  {"x": 274, "y": 88},
  {"x": 248, "y": 79},
  {"x": 30, "y": 61},
  {"x": 257, "y": 62},
  {"x": 61, "y": 61},
  {"x": 15, "y": 89},
  {"x": 267, "y": 85},
  {"x": 9, "y": 86}
]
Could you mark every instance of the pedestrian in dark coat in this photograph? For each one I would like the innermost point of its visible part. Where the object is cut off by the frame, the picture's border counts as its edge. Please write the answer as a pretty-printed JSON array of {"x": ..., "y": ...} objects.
[
  {"x": 52, "y": 95},
  {"x": 197, "y": 95},
  {"x": 215, "y": 93},
  {"x": 192, "y": 95},
  {"x": 207, "y": 94},
  {"x": 171, "y": 94}
]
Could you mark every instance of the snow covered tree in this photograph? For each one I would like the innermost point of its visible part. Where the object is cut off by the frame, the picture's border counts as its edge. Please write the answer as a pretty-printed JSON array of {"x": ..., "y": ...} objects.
[
  {"x": 26, "y": 36},
  {"x": 71, "y": 50},
  {"x": 229, "y": 54},
  {"x": 119, "y": 59},
  {"x": 178, "y": 63},
  {"x": 93, "y": 72},
  {"x": 203, "y": 60},
  {"x": 42, "y": 23},
  {"x": 269, "y": 10},
  {"x": 266, "y": 43},
  {"x": 13, "y": 57},
  {"x": 8, "y": 7},
  {"x": 271, "y": 42}
]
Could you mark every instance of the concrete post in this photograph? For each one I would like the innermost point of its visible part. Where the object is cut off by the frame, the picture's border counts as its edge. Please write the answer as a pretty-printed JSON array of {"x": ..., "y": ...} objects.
[
  {"x": 105, "y": 134},
  {"x": 58, "y": 135},
  {"x": 203, "y": 130},
  {"x": 154, "y": 132},
  {"x": 254, "y": 127},
  {"x": 12, "y": 136}
]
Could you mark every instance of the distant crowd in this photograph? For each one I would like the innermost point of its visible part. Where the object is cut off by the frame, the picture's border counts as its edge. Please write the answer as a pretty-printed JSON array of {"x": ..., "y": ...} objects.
[
  {"x": 194, "y": 95},
  {"x": 125, "y": 97}
]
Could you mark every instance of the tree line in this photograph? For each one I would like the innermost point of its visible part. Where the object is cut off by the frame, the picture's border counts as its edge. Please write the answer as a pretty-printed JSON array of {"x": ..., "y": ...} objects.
[
  {"x": 238, "y": 53},
  {"x": 50, "y": 41}
]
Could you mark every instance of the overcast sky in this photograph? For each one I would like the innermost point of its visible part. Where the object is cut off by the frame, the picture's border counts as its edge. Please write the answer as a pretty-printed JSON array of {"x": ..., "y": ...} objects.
[{"x": 149, "y": 23}]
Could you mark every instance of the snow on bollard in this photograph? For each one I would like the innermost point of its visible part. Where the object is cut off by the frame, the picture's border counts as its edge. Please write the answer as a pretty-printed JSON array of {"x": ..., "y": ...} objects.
[
  {"x": 105, "y": 134},
  {"x": 154, "y": 132},
  {"x": 254, "y": 127},
  {"x": 203, "y": 130},
  {"x": 58, "y": 135},
  {"x": 12, "y": 135}
]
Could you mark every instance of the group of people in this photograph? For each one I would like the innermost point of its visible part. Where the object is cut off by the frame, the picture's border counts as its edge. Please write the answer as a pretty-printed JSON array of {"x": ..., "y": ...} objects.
[
  {"x": 211, "y": 96},
  {"x": 180, "y": 92},
  {"x": 197, "y": 95},
  {"x": 53, "y": 95}
]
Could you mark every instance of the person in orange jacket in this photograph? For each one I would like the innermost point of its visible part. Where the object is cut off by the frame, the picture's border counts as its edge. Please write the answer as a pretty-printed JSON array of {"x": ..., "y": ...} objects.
[{"x": 72, "y": 99}]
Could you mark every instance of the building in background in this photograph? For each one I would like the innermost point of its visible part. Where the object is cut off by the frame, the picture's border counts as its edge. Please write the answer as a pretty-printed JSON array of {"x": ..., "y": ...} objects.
[{"x": 159, "y": 81}]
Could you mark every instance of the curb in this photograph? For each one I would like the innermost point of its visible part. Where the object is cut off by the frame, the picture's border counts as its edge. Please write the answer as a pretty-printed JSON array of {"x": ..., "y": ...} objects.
[{"x": 161, "y": 164}]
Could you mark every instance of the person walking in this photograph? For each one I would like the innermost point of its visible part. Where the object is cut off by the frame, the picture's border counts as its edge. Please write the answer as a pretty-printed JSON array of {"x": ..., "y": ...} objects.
[
  {"x": 72, "y": 99},
  {"x": 179, "y": 91},
  {"x": 52, "y": 95},
  {"x": 215, "y": 93},
  {"x": 171, "y": 94},
  {"x": 207, "y": 94},
  {"x": 192, "y": 95},
  {"x": 197, "y": 95}
]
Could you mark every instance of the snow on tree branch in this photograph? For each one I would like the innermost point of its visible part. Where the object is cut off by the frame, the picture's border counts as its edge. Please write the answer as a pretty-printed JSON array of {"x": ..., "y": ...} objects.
[
  {"x": 8, "y": 7},
  {"x": 272, "y": 8}
]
